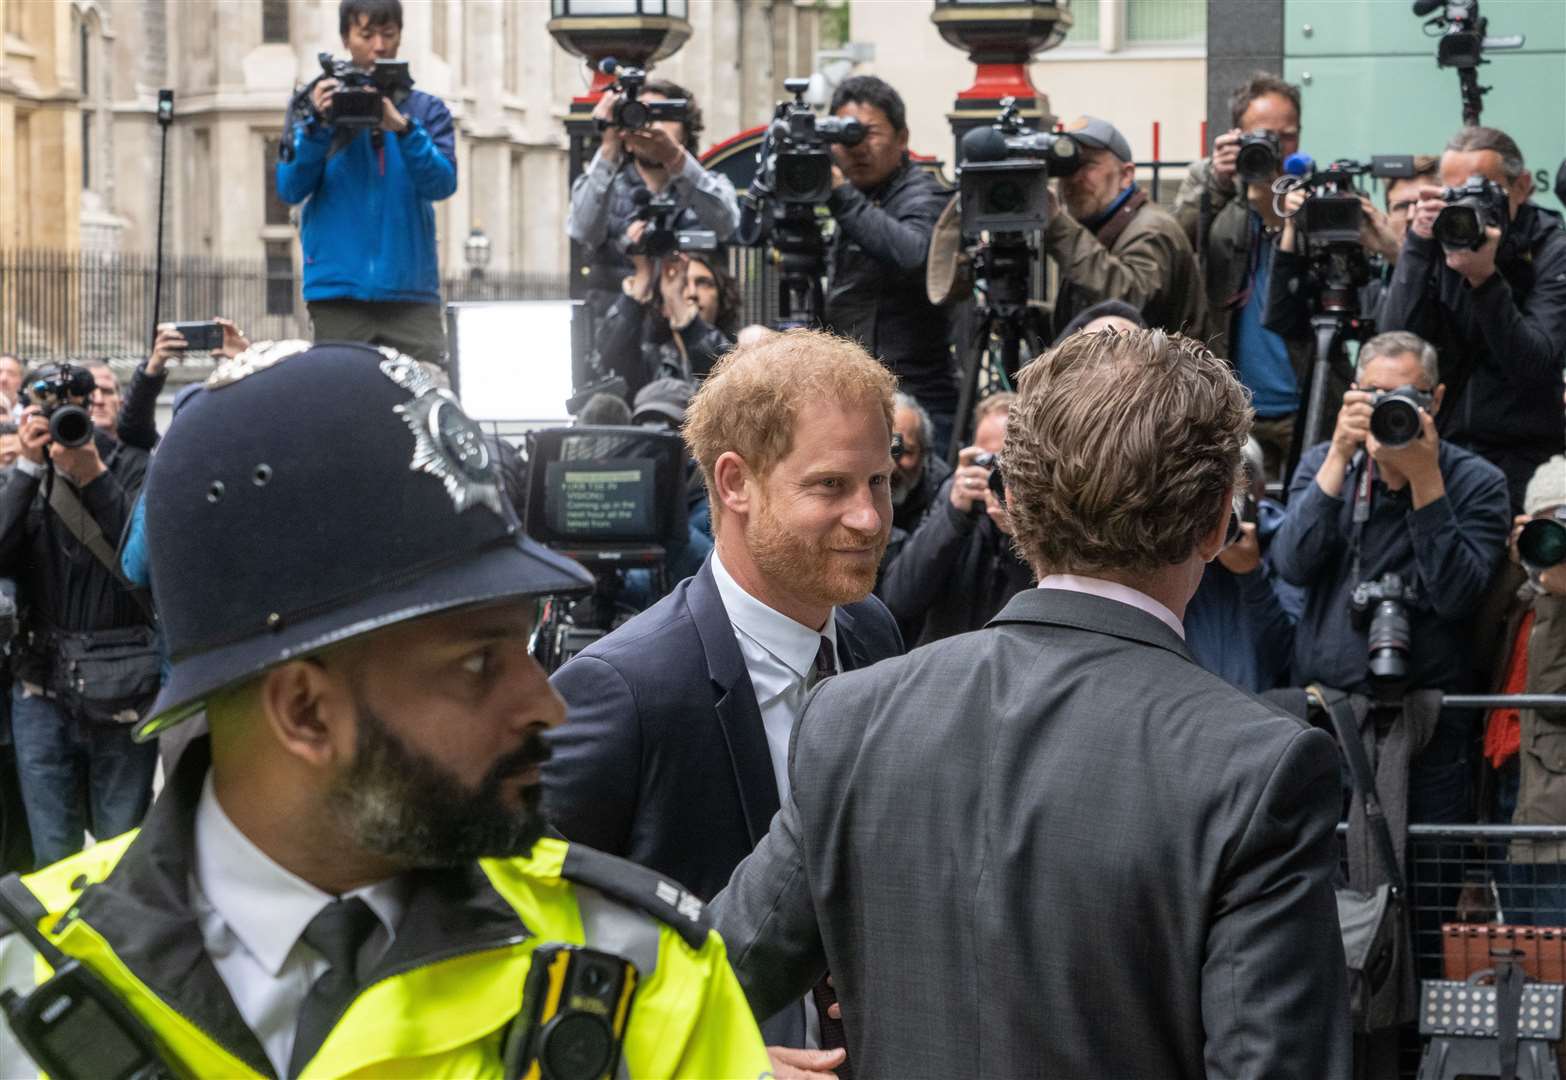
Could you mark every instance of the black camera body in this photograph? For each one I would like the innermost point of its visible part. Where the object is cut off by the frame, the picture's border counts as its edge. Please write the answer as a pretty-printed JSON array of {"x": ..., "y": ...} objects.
[
  {"x": 631, "y": 113},
  {"x": 62, "y": 393},
  {"x": 1477, "y": 204},
  {"x": 794, "y": 165},
  {"x": 1381, "y": 608},
  {"x": 1394, "y": 414},
  {"x": 1542, "y": 542},
  {"x": 661, "y": 237},
  {"x": 1332, "y": 216},
  {"x": 356, "y": 103},
  {"x": 1259, "y": 157},
  {"x": 1006, "y": 168}
]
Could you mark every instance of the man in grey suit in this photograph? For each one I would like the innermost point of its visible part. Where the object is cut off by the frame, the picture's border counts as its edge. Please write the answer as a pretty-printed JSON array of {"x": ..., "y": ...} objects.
[{"x": 1056, "y": 847}]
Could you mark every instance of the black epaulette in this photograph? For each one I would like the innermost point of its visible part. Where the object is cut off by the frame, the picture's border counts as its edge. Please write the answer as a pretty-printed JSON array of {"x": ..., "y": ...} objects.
[{"x": 640, "y": 888}]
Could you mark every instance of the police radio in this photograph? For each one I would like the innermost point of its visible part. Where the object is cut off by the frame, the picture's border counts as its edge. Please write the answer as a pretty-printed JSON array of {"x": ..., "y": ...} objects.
[
  {"x": 73, "y": 1026},
  {"x": 575, "y": 1005}
]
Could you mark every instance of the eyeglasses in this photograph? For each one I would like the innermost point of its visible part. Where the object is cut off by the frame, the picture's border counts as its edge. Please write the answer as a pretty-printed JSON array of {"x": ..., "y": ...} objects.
[{"x": 904, "y": 450}]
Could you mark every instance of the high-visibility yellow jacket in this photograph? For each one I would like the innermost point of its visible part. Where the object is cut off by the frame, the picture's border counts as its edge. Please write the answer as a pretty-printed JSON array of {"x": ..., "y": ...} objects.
[{"x": 439, "y": 1003}]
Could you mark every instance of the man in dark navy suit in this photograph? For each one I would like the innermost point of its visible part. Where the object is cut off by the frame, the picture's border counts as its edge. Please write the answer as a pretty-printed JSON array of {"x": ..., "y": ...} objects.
[{"x": 675, "y": 749}]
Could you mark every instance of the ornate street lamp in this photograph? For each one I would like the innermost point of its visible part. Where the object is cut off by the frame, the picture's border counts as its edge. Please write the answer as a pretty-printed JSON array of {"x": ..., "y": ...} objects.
[
  {"x": 636, "y": 33},
  {"x": 476, "y": 250},
  {"x": 1000, "y": 37}
]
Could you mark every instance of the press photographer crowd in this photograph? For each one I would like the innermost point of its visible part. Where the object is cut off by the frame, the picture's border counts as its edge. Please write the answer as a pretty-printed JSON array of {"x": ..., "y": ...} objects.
[{"x": 1028, "y": 642}]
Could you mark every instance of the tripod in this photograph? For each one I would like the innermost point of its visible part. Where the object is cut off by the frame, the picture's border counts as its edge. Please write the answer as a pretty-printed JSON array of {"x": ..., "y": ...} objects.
[
  {"x": 1005, "y": 265},
  {"x": 801, "y": 251},
  {"x": 1336, "y": 323}
]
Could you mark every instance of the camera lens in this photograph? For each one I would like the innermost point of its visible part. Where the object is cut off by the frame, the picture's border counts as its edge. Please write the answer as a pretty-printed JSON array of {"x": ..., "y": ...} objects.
[
  {"x": 1457, "y": 227},
  {"x": 70, "y": 426},
  {"x": 1389, "y": 643},
  {"x": 576, "y": 1046},
  {"x": 632, "y": 114},
  {"x": 1394, "y": 421},
  {"x": 1005, "y": 197},
  {"x": 1542, "y": 544},
  {"x": 1256, "y": 162}
]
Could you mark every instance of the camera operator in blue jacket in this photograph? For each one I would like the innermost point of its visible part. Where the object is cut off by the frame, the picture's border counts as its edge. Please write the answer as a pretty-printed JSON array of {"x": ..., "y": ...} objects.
[{"x": 368, "y": 223}]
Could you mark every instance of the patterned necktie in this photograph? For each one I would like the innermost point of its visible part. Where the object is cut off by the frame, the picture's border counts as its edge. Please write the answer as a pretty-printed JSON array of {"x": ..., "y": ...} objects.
[
  {"x": 338, "y": 931},
  {"x": 832, "y": 1034}
]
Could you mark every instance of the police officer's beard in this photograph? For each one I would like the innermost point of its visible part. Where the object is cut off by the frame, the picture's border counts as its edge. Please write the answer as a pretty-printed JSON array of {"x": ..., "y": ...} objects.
[{"x": 400, "y": 803}]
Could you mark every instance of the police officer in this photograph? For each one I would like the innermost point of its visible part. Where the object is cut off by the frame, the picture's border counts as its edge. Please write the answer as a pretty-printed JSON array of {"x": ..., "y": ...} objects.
[{"x": 350, "y": 875}]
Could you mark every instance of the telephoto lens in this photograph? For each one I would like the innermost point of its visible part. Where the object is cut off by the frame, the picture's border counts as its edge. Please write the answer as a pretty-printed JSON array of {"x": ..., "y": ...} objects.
[
  {"x": 70, "y": 426},
  {"x": 1457, "y": 228},
  {"x": 1542, "y": 544},
  {"x": 1388, "y": 641},
  {"x": 1258, "y": 158}
]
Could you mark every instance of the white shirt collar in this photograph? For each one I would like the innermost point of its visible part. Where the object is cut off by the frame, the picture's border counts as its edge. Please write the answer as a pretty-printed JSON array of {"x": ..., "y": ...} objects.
[
  {"x": 1113, "y": 590},
  {"x": 792, "y": 643},
  {"x": 266, "y": 906}
]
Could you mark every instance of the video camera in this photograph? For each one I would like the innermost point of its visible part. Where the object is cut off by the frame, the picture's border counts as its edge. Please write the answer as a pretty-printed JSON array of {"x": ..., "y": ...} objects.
[
  {"x": 357, "y": 100},
  {"x": 61, "y": 392},
  {"x": 1464, "y": 35},
  {"x": 612, "y": 498},
  {"x": 661, "y": 238},
  {"x": 631, "y": 113},
  {"x": 794, "y": 166},
  {"x": 1381, "y": 607},
  {"x": 1470, "y": 208},
  {"x": 1332, "y": 215},
  {"x": 1005, "y": 174}
]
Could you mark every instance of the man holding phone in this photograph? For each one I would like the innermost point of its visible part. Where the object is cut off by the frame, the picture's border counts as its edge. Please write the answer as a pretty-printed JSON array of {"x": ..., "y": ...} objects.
[
  {"x": 135, "y": 422},
  {"x": 367, "y": 225}
]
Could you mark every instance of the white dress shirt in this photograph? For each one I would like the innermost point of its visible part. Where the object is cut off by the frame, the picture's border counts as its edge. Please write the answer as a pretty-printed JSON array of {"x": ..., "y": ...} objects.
[
  {"x": 252, "y": 912},
  {"x": 1113, "y": 590},
  {"x": 780, "y": 655}
]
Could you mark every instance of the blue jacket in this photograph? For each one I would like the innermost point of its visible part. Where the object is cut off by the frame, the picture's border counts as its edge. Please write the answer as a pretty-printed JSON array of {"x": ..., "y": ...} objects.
[{"x": 368, "y": 227}]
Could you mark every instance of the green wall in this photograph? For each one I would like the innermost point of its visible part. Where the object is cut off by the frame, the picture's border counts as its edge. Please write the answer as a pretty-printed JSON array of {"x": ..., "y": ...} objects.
[{"x": 1371, "y": 85}]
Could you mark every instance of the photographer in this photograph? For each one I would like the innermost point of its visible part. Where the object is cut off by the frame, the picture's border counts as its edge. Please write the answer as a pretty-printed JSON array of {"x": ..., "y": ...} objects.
[
  {"x": 1498, "y": 313},
  {"x": 60, "y": 515},
  {"x": 1233, "y": 228},
  {"x": 1291, "y": 290},
  {"x": 886, "y": 207},
  {"x": 1436, "y": 517},
  {"x": 137, "y": 424},
  {"x": 676, "y": 317},
  {"x": 920, "y": 472},
  {"x": 958, "y": 568},
  {"x": 628, "y": 166},
  {"x": 367, "y": 276},
  {"x": 1114, "y": 243}
]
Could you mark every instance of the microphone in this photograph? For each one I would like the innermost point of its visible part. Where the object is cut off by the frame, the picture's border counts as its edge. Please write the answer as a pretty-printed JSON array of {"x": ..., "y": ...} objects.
[
  {"x": 1425, "y": 7},
  {"x": 608, "y": 65},
  {"x": 1299, "y": 164},
  {"x": 984, "y": 144},
  {"x": 641, "y": 197}
]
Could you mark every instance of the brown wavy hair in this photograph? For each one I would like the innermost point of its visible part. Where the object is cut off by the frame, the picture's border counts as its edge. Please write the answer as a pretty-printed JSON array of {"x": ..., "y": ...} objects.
[
  {"x": 1121, "y": 450},
  {"x": 752, "y": 400}
]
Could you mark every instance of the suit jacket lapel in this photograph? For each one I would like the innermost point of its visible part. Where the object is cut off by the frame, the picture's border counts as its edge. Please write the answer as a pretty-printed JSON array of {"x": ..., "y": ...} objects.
[
  {"x": 739, "y": 716},
  {"x": 851, "y": 654}
]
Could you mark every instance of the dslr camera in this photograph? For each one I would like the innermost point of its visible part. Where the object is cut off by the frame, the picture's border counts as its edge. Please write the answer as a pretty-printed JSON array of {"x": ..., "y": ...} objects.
[
  {"x": 631, "y": 113},
  {"x": 357, "y": 101},
  {"x": 1542, "y": 542},
  {"x": 1394, "y": 414},
  {"x": 1006, "y": 168},
  {"x": 1479, "y": 203},
  {"x": 1259, "y": 158},
  {"x": 661, "y": 238},
  {"x": 61, "y": 392},
  {"x": 1381, "y": 608}
]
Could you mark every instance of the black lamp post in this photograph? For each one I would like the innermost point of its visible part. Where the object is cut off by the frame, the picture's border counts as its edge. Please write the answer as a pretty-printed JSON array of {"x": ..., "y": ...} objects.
[
  {"x": 1000, "y": 38},
  {"x": 476, "y": 251}
]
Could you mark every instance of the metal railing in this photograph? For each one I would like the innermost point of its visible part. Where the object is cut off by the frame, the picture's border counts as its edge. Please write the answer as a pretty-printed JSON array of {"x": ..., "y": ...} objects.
[{"x": 76, "y": 304}]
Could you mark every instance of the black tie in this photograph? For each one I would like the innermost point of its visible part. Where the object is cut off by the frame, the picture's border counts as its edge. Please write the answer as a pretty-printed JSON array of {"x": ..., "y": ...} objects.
[
  {"x": 338, "y": 932},
  {"x": 826, "y": 661},
  {"x": 832, "y": 1035}
]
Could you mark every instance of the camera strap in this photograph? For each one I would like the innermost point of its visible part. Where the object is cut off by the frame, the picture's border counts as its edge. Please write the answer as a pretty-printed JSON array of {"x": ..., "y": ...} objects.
[
  {"x": 67, "y": 506},
  {"x": 1363, "y": 778}
]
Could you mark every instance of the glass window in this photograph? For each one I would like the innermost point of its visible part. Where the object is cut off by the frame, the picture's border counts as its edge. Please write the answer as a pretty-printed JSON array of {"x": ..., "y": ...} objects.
[
  {"x": 274, "y": 22},
  {"x": 279, "y": 277},
  {"x": 1166, "y": 22},
  {"x": 276, "y": 208},
  {"x": 439, "y": 18},
  {"x": 1084, "y": 23}
]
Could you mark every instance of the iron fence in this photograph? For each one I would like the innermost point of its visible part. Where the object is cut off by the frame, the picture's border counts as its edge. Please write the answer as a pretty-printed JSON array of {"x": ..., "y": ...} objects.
[{"x": 74, "y": 304}]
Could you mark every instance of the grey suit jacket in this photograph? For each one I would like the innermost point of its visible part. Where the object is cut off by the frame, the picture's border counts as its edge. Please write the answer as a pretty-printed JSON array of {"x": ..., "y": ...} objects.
[{"x": 1054, "y": 848}]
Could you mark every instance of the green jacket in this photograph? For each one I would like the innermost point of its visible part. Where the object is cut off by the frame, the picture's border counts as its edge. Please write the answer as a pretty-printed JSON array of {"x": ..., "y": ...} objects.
[
  {"x": 1149, "y": 265},
  {"x": 439, "y": 1003},
  {"x": 1225, "y": 257}
]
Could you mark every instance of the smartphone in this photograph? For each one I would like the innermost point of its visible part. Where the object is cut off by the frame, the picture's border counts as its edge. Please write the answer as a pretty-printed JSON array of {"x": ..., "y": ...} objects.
[{"x": 200, "y": 336}]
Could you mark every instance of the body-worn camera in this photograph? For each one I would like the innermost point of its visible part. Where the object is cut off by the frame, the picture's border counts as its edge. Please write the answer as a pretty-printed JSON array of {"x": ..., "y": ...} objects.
[
  {"x": 357, "y": 100},
  {"x": 631, "y": 113},
  {"x": 575, "y": 1006},
  {"x": 1394, "y": 414},
  {"x": 1471, "y": 208},
  {"x": 61, "y": 392},
  {"x": 1259, "y": 157},
  {"x": 1005, "y": 174},
  {"x": 1381, "y": 608}
]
